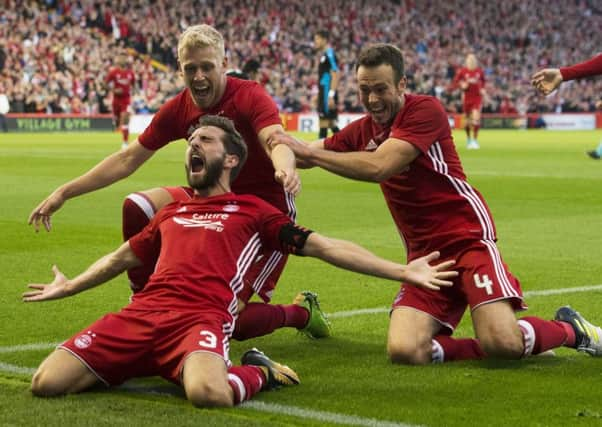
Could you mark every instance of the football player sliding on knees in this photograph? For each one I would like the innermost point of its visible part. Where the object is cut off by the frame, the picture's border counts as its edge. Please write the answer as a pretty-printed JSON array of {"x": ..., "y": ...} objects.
[{"x": 179, "y": 325}]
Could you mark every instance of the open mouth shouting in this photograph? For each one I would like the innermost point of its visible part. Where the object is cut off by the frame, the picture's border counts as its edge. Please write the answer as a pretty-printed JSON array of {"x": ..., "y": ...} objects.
[
  {"x": 197, "y": 163},
  {"x": 201, "y": 94}
]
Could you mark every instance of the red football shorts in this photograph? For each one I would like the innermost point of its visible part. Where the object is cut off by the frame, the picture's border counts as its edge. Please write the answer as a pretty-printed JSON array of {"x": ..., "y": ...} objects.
[
  {"x": 136, "y": 343},
  {"x": 483, "y": 278},
  {"x": 263, "y": 275},
  {"x": 471, "y": 104},
  {"x": 120, "y": 105}
]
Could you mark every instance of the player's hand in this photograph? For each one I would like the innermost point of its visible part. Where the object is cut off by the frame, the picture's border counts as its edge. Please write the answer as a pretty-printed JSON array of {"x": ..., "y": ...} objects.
[
  {"x": 55, "y": 290},
  {"x": 422, "y": 274},
  {"x": 331, "y": 104},
  {"x": 43, "y": 212},
  {"x": 301, "y": 149},
  {"x": 464, "y": 85},
  {"x": 546, "y": 80},
  {"x": 289, "y": 179}
]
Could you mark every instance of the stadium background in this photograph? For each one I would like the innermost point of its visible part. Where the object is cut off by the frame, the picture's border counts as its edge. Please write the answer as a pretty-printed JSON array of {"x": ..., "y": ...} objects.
[{"x": 543, "y": 192}]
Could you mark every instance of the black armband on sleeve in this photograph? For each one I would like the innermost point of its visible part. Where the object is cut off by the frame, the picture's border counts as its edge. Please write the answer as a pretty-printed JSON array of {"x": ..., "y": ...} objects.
[{"x": 293, "y": 238}]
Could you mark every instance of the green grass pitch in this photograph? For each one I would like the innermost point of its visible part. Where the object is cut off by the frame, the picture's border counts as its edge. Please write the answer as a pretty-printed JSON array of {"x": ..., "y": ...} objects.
[{"x": 546, "y": 198}]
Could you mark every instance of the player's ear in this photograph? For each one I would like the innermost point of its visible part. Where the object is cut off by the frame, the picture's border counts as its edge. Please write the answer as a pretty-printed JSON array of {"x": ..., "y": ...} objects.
[
  {"x": 232, "y": 160},
  {"x": 401, "y": 86}
]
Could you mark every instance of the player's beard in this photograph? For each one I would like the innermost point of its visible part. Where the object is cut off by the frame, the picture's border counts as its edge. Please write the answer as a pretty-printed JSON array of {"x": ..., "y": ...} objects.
[{"x": 211, "y": 177}]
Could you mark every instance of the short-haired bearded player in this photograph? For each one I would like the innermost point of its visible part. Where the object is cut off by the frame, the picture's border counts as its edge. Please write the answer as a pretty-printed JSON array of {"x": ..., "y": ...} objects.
[
  {"x": 268, "y": 173},
  {"x": 471, "y": 80},
  {"x": 178, "y": 327},
  {"x": 120, "y": 81}
]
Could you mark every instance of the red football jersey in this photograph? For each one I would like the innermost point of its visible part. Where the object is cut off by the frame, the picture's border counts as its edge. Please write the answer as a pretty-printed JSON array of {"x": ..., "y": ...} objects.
[
  {"x": 251, "y": 109},
  {"x": 431, "y": 203},
  {"x": 121, "y": 79},
  {"x": 475, "y": 79},
  {"x": 204, "y": 248}
]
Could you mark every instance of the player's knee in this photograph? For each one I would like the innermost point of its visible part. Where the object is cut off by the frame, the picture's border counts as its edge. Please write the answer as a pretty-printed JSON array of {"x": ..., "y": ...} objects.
[
  {"x": 503, "y": 346},
  {"x": 45, "y": 384},
  {"x": 403, "y": 354},
  {"x": 206, "y": 395}
]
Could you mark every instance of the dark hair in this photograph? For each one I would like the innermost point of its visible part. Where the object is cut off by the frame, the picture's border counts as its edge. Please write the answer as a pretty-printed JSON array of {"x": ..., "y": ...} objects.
[
  {"x": 379, "y": 54},
  {"x": 251, "y": 66},
  {"x": 233, "y": 142},
  {"x": 324, "y": 34}
]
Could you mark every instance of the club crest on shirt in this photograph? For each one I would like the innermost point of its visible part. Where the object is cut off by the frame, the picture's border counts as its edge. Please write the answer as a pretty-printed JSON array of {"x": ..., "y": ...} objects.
[
  {"x": 84, "y": 340},
  {"x": 231, "y": 208}
]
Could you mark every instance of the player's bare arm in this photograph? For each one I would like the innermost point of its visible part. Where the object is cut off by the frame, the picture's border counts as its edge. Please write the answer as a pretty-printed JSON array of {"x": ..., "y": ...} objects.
[
  {"x": 547, "y": 80},
  {"x": 103, "y": 270},
  {"x": 334, "y": 76},
  {"x": 350, "y": 256},
  {"x": 392, "y": 157},
  {"x": 282, "y": 158},
  {"x": 113, "y": 168}
]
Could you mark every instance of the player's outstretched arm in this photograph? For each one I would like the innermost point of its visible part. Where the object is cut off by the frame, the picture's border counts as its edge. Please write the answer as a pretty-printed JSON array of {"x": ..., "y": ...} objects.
[
  {"x": 391, "y": 157},
  {"x": 350, "y": 256},
  {"x": 100, "y": 272},
  {"x": 283, "y": 160},
  {"x": 113, "y": 168},
  {"x": 547, "y": 80}
]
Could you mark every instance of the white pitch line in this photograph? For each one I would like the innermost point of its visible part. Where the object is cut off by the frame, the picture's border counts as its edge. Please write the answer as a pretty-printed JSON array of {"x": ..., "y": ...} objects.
[
  {"x": 531, "y": 175},
  {"x": 528, "y": 294},
  {"x": 293, "y": 411},
  {"x": 14, "y": 369},
  {"x": 27, "y": 347},
  {"x": 331, "y": 417},
  {"x": 546, "y": 292}
]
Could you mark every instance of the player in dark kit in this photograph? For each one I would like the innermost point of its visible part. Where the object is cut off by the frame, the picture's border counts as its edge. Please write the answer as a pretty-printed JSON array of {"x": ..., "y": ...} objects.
[
  {"x": 120, "y": 80},
  {"x": 328, "y": 80},
  {"x": 547, "y": 80},
  {"x": 405, "y": 144},
  {"x": 179, "y": 325},
  {"x": 268, "y": 174}
]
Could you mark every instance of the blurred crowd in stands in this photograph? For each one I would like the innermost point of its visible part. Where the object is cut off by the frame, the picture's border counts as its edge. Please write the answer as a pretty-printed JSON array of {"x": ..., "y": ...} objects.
[{"x": 55, "y": 54}]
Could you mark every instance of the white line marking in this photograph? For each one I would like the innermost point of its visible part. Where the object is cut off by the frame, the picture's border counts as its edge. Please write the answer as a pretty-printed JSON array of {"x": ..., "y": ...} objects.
[
  {"x": 532, "y": 174},
  {"x": 528, "y": 294},
  {"x": 274, "y": 408},
  {"x": 14, "y": 369},
  {"x": 331, "y": 417},
  {"x": 27, "y": 347},
  {"x": 351, "y": 313},
  {"x": 546, "y": 292}
]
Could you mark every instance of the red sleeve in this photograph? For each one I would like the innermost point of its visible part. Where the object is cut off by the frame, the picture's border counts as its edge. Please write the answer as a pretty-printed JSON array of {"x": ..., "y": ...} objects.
[
  {"x": 592, "y": 67},
  {"x": 270, "y": 226},
  {"x": 422, "y": 125},
  {"x": 482, "y": 78},
  {"x": 161, "y": 130},
  {"x": 347, "y": 139},
  {"x": 262, "y": 109},
  {"x": 147, "y": 244}
]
